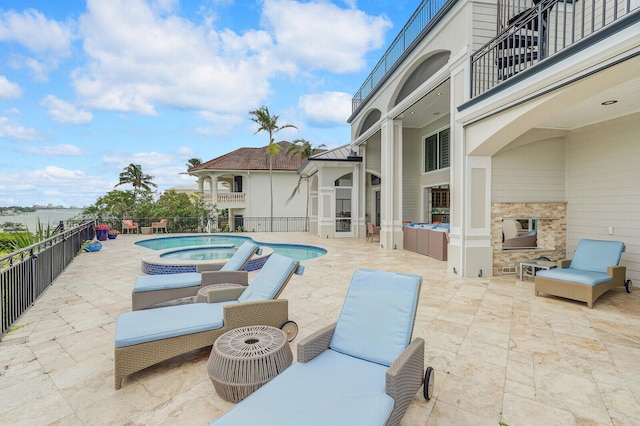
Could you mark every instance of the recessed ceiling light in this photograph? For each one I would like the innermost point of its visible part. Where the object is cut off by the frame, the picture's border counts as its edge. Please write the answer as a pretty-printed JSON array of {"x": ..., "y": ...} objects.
[
  {"x": 439, "y": 94},
  {"x": 412, "y": 112},
  {"x": 611, "y": 102}
]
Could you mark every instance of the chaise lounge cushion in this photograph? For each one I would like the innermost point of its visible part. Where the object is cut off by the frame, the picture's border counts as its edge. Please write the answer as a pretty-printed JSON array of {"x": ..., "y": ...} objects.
[
  {"x": 334, "y": 389},
  {"x": 575, "y": 275},
  {"x": 166, "y": 281},
  {"x": 388, "y": 326},
  {"x": 266, "y": 285},
  {"x": 239, "y": 258},
  {"x": 137, "y": 327},
  {"x": 596, "y": 255}
]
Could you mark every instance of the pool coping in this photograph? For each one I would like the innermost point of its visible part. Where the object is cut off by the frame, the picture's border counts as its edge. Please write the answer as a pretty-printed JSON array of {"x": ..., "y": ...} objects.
[{"x": 155, "y": 264}]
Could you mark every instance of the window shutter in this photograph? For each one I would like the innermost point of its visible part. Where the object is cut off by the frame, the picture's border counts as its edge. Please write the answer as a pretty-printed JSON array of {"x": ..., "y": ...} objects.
[{"x": 444, "y": 149}]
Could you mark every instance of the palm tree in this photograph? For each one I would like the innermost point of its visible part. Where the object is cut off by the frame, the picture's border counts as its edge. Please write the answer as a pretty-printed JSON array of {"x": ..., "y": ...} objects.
[
  {"x": 303, "y": 149},
  {"x": 269, "y": 123},
  {"x": 192, "y": 162},
  {"x": 133, "y": 174}
]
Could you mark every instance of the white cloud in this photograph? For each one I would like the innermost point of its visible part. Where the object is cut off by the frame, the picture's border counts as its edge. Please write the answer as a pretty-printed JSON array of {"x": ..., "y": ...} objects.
[
  {"x": 223, "y": 124},
  {"x": 186, "y": 151},
  {"x": 326, "y": 109},
  {"x": 48, "y": 40},
  {"x": 33, "y": 30},
  {"x": 13, "y": 130},
  {"x": 9, "y": 90},
  {"x": 142, "y": 57},
  {"x": 62, "y": 150},
  {"x": 145, "y": 159},
  {"x": 64, "y": 112},
  {"x": 139, "y": 59},
  {"x": 72, "y": 187},
  {"x": 321, "y": 35}
]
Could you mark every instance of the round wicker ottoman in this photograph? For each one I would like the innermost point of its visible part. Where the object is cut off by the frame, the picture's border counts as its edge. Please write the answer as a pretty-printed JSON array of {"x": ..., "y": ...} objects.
[
  {"x": 246, "y": 358},
  {"x": 202, "y": 295}
]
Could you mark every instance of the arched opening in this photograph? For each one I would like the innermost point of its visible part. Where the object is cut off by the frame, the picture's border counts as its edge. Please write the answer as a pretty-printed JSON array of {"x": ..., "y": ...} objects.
[
  {"x": 372, "y": 118},
  {"x": 422, "y": 73}
]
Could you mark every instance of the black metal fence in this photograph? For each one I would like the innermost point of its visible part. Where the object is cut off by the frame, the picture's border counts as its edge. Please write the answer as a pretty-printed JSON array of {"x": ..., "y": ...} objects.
[
  {"x": 26, "y": 274},
  {"x": 220, "y": 224}
]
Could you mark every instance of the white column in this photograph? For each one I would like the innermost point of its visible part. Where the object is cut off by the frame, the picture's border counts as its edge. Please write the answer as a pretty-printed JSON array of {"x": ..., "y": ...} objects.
[
  {"x": 391, "y": 188},
  {"x": 214, "y": 190}
]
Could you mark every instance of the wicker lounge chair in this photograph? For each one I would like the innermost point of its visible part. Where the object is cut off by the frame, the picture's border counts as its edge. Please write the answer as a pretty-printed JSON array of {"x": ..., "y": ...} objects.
[
  {"x": 129, "y": 225},
  {"x": 149, "y": 290},
  {"x": 157, "y": 226},
  {"x": 144, "y": 338},
  {"x": 363, "y": 370},
  {"x": 593, "y": 270}
]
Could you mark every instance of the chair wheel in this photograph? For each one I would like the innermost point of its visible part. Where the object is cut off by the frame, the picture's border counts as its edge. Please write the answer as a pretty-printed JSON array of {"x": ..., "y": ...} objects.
[
  {"x": 290, "y": 328},
  {"x": 428, "y": 383},
  {"x": 628, "y": 285}
]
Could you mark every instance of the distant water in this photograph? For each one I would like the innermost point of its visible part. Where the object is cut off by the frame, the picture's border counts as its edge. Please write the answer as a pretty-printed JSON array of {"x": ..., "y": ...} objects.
[{"x": 51, "y": 216}]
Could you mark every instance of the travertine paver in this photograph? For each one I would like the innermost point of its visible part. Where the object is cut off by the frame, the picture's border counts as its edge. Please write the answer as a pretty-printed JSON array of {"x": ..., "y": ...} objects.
[{"x": 500, "y": 353}]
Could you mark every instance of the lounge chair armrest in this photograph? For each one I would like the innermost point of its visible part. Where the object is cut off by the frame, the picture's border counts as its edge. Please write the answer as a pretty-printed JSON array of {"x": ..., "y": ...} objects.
[
  {"x": 314, "y": 344},
  {"x": 220, "y": 277},
  {"x": 564, "y": 263},
  {"x": 618, "y": 273},
  {"x": 209, "y": 267},
  {"x": 405, "y": 376},
  {"x": 224, "y": 294},
  {"x": 264, "y": 312}
]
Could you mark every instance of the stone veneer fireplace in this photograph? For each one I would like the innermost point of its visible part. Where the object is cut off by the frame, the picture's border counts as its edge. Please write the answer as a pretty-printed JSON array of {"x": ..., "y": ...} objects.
[{"x": 551, "y": 228}]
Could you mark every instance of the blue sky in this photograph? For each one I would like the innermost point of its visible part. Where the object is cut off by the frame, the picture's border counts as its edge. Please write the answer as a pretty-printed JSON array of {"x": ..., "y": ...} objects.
[{"x": 87, "y": 88}]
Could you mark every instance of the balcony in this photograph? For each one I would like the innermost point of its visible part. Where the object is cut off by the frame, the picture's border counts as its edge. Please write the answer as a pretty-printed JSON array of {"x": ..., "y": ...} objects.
[
  {"x": 423, "y": 19},
  {"x": 542, "y": 31},
  {"x": 230, "y": 199}
]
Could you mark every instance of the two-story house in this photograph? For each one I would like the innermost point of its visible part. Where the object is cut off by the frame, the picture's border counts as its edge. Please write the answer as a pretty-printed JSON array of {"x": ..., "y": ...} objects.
[
  {"x": 486, "y": 111},
  {"x": 241, "y": 182}
]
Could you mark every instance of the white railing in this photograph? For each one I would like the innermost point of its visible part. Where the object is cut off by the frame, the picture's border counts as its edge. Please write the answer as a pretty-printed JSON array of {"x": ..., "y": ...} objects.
[{"x": 230, "y": 198}]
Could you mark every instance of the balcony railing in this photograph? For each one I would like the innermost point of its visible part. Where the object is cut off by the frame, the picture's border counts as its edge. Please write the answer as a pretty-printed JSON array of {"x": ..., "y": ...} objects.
[
  {"x": 425, "y": 14},
  {"x": 227, "y": 199},
  {"x": 540, "y": 32},
  {"x": 27, "y": 273}
]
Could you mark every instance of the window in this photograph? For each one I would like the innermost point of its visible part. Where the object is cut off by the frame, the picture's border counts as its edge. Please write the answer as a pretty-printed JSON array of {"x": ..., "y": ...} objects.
[{"x": 436, "y": 151}]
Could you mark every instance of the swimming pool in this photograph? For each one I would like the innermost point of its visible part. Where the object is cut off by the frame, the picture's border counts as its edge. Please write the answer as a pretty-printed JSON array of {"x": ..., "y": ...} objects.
[{"x": 295, "y": 251}]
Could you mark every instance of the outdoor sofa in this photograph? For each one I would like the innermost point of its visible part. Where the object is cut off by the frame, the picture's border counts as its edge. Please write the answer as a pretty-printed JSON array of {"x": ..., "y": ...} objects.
[
  {"x": 147, "y": 337},
  {"x": 363, "y": 370},
  {"x": 593, "y": 270},
  {"x": 149, "y": 290}
]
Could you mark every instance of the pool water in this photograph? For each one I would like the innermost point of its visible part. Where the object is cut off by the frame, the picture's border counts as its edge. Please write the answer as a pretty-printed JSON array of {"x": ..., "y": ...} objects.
[
  {"x": 294, "y": 251},
  {"x": 204, "y": 253}
]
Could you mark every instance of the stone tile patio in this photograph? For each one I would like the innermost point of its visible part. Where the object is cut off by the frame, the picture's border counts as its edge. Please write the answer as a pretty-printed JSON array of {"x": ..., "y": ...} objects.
[{"x": 500, "y": 353}]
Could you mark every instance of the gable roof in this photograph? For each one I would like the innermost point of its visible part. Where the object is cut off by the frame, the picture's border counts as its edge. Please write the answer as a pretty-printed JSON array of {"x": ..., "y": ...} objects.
[{"x": 252, "y": 159}]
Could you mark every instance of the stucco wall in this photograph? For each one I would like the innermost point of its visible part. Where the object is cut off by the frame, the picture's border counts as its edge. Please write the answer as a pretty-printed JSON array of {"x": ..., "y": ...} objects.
[{"x": 257, "y": 188}]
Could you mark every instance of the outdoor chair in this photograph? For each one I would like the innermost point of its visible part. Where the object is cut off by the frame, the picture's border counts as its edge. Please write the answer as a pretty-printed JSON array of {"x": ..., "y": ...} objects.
[
  {"x": 130, "y": 225},
  {"x": 157, "y": 226},
  {"x": 363, "y": 370},
  {"x": 593, "y": 270},
  {"x": 144, "y": 338},
  {"x": 372, "y": 231},
  {"x": 149, "y": 290}
]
